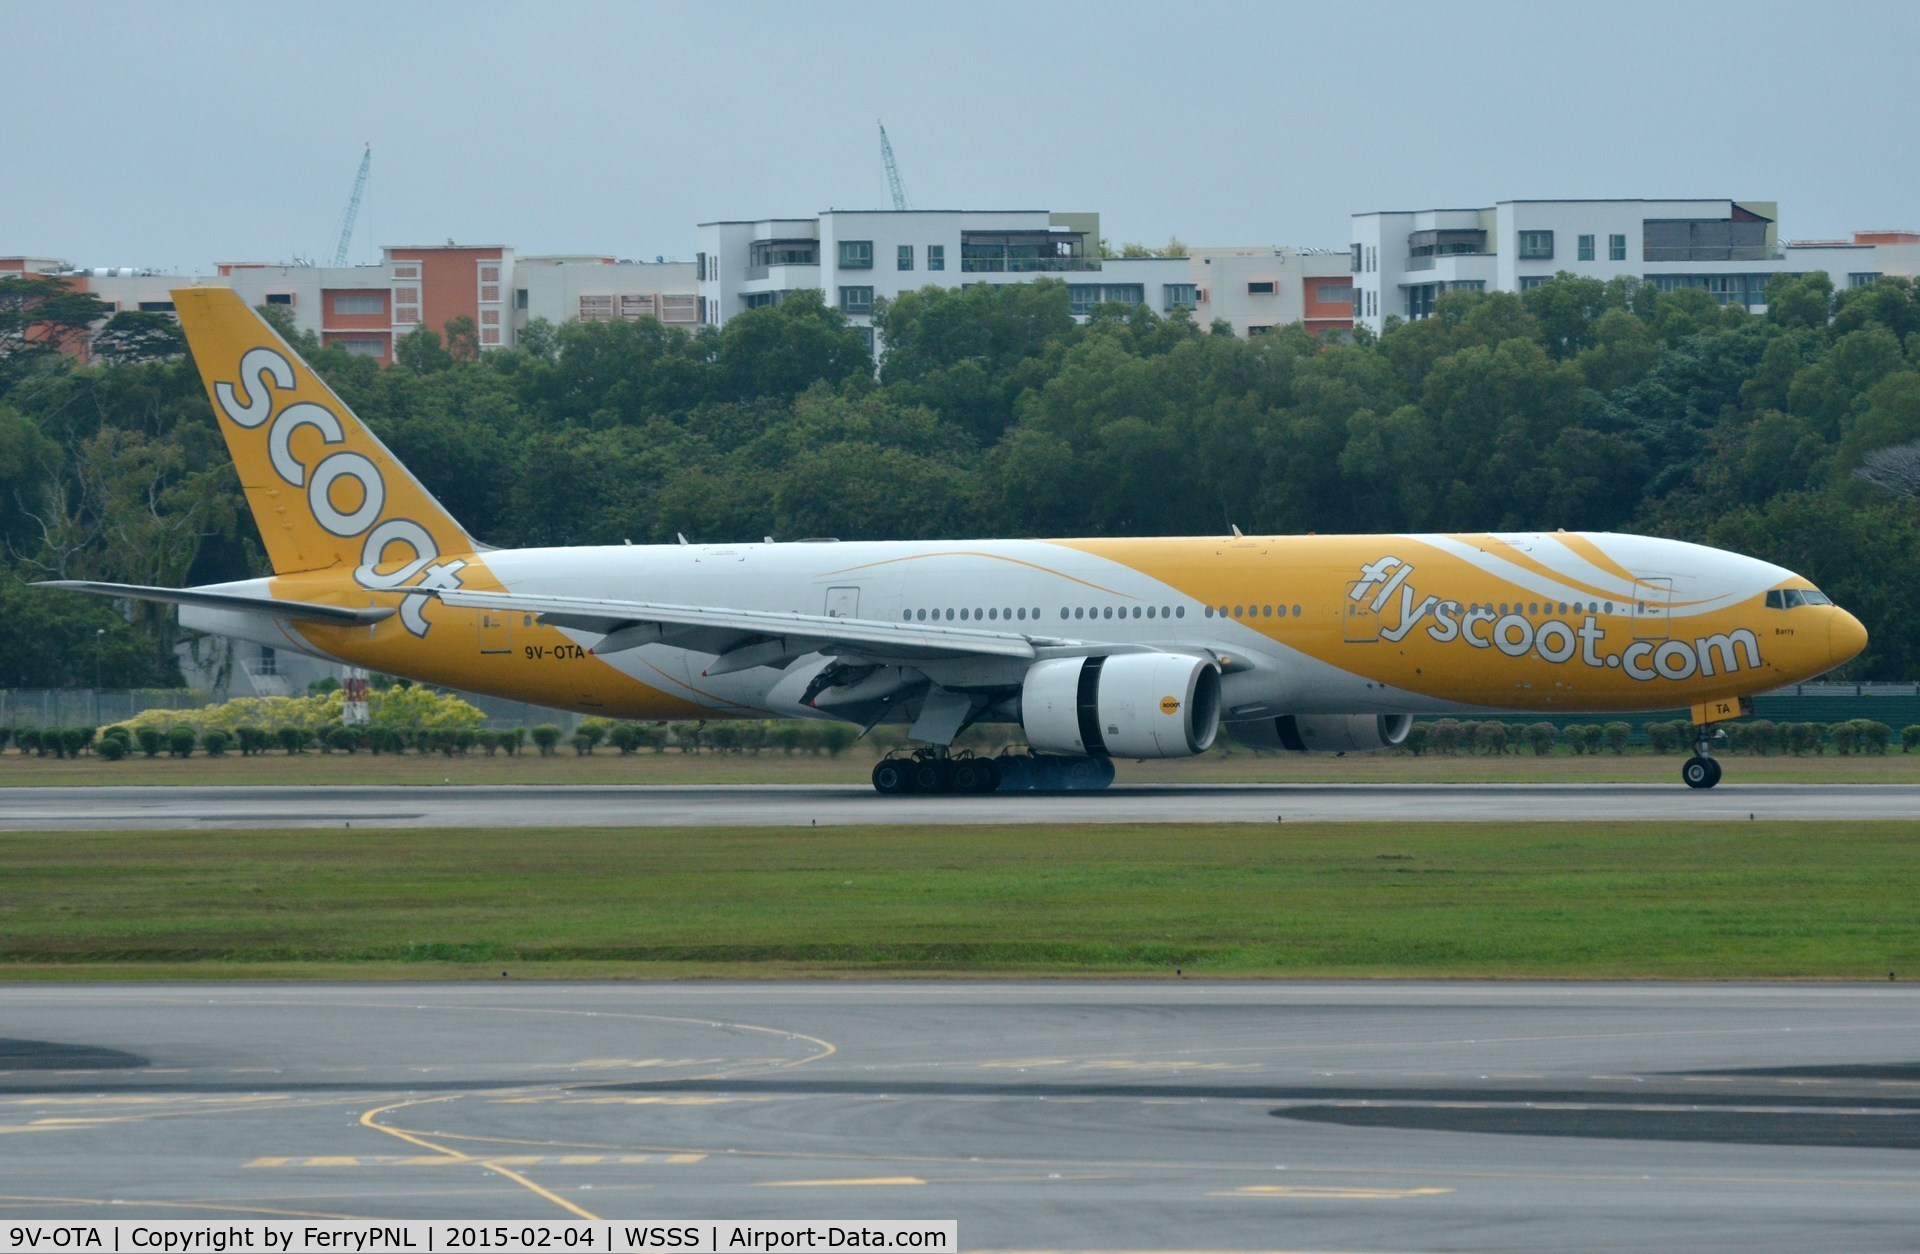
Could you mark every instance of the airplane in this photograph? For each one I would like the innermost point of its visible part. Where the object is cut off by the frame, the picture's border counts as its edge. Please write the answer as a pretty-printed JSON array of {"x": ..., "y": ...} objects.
[{"x": 1099, "y": 649}]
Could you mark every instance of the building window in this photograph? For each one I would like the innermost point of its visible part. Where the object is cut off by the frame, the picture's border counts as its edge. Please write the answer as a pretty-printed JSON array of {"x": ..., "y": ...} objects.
[
  {"x": 1359, "y": 303},
  {"x": 490, "y": 293},
  {"x": 1419, "y": 300},
  {"x": 1585, "y": 248},
  {"x": 156, "y": 306},
  {"x": 362, "y": 347},
  {"x": 369, "y": 304},
  {"x": 936, "y": 256},
  {"x": 1530, "y": 281},
  {"x": 1861, "y": 278},
  {"x": 489, "y": 274},
  {"x": 781, "y": 252},
  {"x": 1357, "y": 255},
  {"x": 904, "y": 261},
  {"x": 1616, "y": 248},
  {"x": 1180, "y": 296},
  {"x": 489, "y": 337},
  {"x": 1260, "y": 330},
  {"x": 856, "y": 254},
  {"x": 759, "y": 300},
  {"x": 404, "y": 295},
  {"x": 700, "y": 267},
  {"x": 1536, "y": 245},
  {"x": 637, "y": 306},
  {"x": 856, "y": 300},
  {"x": 1334, "y": 293},
  {"x": 489, "y": 317},
  {"x": 866, "y": 333},
  {"x": 1261, "y": 287},
  {"x": 279, "y": 298},
  {"x": 596, "y": 308},
  {"x": 1082, "y": 297},
  {"x": 519, "y": 298},
  {"x": 680, "y": 309},
  {"x": 406, "y": 315},
  {"x": 406, "y": 272}
]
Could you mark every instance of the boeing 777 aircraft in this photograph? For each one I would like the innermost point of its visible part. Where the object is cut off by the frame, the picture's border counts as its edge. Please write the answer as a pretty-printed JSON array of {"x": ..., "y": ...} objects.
[{"x": 1098, "y": 649}]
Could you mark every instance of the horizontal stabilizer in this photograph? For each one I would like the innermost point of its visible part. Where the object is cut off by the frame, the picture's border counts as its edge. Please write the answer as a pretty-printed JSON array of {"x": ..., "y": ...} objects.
[{"x": 305, "y": 610}]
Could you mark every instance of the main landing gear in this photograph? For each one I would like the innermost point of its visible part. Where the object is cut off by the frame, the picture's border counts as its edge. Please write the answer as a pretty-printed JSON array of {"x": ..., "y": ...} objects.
[
  {"x": 1701, "y": 770},
  {"x": 930, "y": 772}
]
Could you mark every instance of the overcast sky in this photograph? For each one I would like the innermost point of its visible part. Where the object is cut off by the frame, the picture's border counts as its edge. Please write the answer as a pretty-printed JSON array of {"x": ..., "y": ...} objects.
[{"x": 177, "y": 135}]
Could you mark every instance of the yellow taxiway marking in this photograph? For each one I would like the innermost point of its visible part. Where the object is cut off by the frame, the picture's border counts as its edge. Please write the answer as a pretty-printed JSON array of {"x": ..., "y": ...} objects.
[
  {"x": 1328, "y": 1191},
  {"x": 443, "y": 1160},
  {"x": 367, "y": 1120},
  {"x": 835, "y": 1184}
]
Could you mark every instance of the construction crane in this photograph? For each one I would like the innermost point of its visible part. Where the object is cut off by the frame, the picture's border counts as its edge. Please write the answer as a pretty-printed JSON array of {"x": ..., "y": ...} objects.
[
  {"x": 352, "y": 210},
  {"x": 893, "y": 171}
]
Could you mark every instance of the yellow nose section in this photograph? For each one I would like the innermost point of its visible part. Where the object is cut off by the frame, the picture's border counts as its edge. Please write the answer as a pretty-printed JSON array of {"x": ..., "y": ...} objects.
[{"x": 1845, "y": 637}]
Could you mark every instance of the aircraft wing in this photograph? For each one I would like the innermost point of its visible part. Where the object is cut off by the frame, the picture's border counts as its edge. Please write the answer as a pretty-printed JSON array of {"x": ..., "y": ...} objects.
[
  {"x": 745, "y": 638},
  {"x": 307, "y": 611}
]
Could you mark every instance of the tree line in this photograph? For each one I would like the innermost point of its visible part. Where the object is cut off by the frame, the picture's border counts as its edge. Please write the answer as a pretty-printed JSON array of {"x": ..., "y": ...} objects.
[{"x": 1792, "y": 436}]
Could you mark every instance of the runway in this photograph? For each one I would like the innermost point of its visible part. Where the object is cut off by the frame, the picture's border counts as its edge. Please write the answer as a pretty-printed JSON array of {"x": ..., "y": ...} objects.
[
  {"x": 1162, "y": 1115},
  {"x": 23, "y": 809}
]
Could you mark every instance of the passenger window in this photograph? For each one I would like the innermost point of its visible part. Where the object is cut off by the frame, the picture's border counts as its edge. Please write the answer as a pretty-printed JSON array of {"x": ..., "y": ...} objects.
[
  {"x": 1609, "y": 607},
  {"x": 1180, "y": 612},
  {"x": 1077, "y": 612},
  {"x": 949, "y": 615},
  {"x": 963, "y": 616},
  {"x": 1296, "y": 611},
  {"x": 1209, "y": 611},
  {"x": 1136, "y": 611},
  {"x": 1149, "y": 611},
  {"x": 1106, "y": 612}
]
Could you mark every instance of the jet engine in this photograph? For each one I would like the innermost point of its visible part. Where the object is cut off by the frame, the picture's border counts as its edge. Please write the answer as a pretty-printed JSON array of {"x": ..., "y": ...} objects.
[
  {"x": 1324, "y": 733},
  {"x": 1127, "y": 705}
]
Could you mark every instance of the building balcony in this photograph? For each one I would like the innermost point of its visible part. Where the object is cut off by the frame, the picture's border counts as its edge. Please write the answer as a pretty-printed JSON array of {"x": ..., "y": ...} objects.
[
  {"x": 1027, "y": 265},
  {"x": 1734, "y": 252}
]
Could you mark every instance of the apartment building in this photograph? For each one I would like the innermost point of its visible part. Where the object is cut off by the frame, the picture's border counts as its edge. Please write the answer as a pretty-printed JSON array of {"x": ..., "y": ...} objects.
[
  {"x": 1257, "y": 289},
  {"x": 1403, "y": 262},
  {"x": 857, "y": 257},
  {"x": 365, "y": 309}
]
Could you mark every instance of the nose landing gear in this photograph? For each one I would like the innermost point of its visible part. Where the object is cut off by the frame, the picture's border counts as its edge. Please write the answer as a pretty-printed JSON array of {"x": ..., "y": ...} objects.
[{"x": 1701, "y": 770}]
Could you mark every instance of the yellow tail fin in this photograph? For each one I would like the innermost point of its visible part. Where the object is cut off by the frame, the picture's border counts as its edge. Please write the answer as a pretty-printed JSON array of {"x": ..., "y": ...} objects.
[{"x": 325, "y": 492}]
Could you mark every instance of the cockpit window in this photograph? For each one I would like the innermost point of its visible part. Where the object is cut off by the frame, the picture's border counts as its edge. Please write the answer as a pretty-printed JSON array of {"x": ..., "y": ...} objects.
[{"x": 1793, "y": 598}]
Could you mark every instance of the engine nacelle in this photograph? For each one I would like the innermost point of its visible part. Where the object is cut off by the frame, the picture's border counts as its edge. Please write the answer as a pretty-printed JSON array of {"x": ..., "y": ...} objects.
[
  {"x": 1128, "y": 705},
  {"x": 1324, "y": 733}
]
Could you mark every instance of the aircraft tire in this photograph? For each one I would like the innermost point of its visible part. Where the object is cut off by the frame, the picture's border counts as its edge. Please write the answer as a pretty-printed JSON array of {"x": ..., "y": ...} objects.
[
  {"x": 989, "y": 775},
  {"x": 1015, "y": 771},
  {"x": 931, "y": 775},
  {"x": 1084, "y": 774},
  {"x": 967, "y": 775},
  {"x": 1700, "y": 772},
  {"x": 891, "y": 778}
]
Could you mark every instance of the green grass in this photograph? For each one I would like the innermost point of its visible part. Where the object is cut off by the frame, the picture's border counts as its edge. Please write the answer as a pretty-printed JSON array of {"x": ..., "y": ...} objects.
[
  {"x": 606, "y": 766},
  {"x": 1573, "y": 900}
]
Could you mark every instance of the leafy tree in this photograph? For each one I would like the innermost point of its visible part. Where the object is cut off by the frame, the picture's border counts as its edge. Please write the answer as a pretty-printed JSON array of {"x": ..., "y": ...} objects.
[{"x": 134, "y": 336}]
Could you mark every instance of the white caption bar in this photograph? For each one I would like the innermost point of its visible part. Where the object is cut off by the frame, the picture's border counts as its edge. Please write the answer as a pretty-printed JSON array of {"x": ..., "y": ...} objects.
[{"x": 692, "y": 1236}]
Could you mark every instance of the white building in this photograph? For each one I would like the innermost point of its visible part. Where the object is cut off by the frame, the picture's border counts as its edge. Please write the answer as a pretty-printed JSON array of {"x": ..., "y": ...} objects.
[
  {"x": 1402, "y": 262},
  {"x": 857, "y": 257},
  {"x": 1258, "y": 289},
  {"x": 365, "y": 309}
]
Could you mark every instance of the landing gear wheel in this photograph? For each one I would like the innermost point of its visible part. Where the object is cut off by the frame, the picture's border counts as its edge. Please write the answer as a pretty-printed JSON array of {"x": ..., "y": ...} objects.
[
  {"x": 967, "y": 775},
  {"x": 1700, "y": 772},
  {"x": 890, "y": 777},
  {"x": 989, "y": 775},
  {"x": 1087, "y": 774},
  {"x": 931, "y": 775}
]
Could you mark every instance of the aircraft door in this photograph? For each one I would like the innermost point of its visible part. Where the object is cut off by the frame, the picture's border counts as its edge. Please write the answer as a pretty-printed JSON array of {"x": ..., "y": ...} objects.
[
  {"x": 1362, "y": 620},
  {"x": 1651, "y": 599},
  {"x": 843, "y": 602},
  {"x": 494, "y": 634}
]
